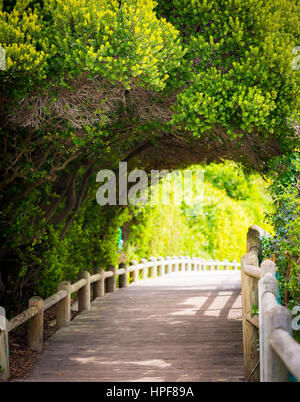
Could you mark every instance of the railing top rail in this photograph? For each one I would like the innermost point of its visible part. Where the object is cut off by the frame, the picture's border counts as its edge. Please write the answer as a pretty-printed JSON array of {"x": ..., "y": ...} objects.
[
  {"x": 287, "y": 349},
  {"x": 22, "y": 317},
  {"x": 252, "y": 270},
  {"x": 55, "y": 298},
  {"x": 76, "y": 286}
]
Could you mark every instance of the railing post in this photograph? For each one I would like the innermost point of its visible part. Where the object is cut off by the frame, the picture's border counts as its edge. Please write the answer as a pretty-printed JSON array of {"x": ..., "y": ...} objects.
[
  {"x": 161, "y": 266},
  {"x": 189, "y": 265},
  {"x": 226, "y": 267},
  {"x": 250, "y": 333},
  {"x": 269, "y": 284},
  {"x": 98, "y": 287},
  {"x": 169, "y": 265},
  {"x": 181, "y": 264},
  {"x": 35, "y": 325},
  {"x": 210, "y": 264},
  {"x": 4, "y": 349},
  {"x": 173, "y": 268},
  {"x": 265, "y": 284},
  {"x": 249, "y": 298},
  {"x": 123, "y": 279},
  {"x": 176, "y": 265},
  {"x": 84, "y": 294},
  {"x": 111, "y": 283},
  {"x": 63, "y": 307},
  {"x": 185, "y": 265},
  {"x": 235, "y": 265},
  {"x": 145, "y": 269},
  {"x": 254, "y": 240},
  {"x": 153, "y": 270},
  {"x": 134, "y": 274},
  {"x": 276, "y": 317}
]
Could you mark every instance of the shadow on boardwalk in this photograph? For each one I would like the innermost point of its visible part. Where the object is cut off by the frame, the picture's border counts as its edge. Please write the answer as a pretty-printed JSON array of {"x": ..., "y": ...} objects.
[{"x": 179, "y": 327}]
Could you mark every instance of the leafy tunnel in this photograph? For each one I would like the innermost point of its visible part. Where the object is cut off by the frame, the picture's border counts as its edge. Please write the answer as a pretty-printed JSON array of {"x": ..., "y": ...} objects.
[{"x": 89, "y": 83}]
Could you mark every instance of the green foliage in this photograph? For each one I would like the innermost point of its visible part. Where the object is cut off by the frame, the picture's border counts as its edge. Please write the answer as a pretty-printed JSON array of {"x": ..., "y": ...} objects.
[
  {"x": 20, "y": 33},
  {"x": 284, "y": 247},
  {"x": 68, "y": 67},
  {"x": 254, "y": 310},
  {"x": 124, "y": 43},
  {"x": 91, "y": 241},
  {"x": 231, "y": 178},
  {"x": 92, "y": 82},
  {"x": 219, "y": 232},
  {"x": 238, "y": 65}
]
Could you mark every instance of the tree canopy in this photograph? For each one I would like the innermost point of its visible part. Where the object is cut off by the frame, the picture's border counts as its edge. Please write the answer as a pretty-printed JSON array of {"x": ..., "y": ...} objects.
[{"x": 89, "y": 83}]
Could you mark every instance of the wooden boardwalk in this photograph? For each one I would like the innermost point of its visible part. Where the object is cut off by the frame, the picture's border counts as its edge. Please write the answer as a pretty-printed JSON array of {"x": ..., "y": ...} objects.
[{"x": 179, "y": 327}]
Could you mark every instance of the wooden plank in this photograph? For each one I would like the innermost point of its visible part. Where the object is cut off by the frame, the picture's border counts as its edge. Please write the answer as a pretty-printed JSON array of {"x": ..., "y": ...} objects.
[{"x": 170, "y": 331}]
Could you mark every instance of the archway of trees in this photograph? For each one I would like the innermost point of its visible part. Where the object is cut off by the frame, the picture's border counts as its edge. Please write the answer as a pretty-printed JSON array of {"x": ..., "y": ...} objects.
[{"x": 88, "y": 84}]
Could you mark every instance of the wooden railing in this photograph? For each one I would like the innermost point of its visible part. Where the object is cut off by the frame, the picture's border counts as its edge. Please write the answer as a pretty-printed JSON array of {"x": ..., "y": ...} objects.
[
  {"x": 270, "y": 352},
  {"x": 88, "y": 288}
]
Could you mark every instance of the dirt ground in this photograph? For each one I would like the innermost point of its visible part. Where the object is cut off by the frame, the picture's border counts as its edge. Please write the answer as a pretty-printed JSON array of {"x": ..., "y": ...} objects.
[{"x": 21, "y": 358}]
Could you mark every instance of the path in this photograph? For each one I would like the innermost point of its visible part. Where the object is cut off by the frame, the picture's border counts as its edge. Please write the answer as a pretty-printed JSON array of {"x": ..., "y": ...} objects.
[{"x": 179, "y": 327}]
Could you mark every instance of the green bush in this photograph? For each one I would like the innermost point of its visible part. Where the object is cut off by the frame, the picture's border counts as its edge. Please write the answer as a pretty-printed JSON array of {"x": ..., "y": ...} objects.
[
  {"x": 220, "y": 232},
  {"x": 90, "y": 83},
  {"x": 284, "y": 247}
]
